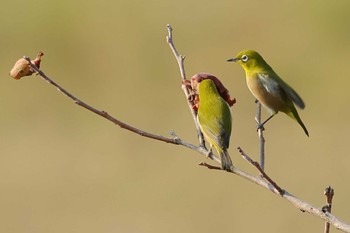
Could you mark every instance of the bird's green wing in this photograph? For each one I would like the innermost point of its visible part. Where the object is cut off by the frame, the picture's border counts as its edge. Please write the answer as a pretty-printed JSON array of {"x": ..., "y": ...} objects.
[
  {"x": 292, "y": 95},
  {"x": 214, "y": 133},
  {"x": 270, "y": 84},
  {"x": 279, "y": 85},
  {"x": 216, "y": 130}
]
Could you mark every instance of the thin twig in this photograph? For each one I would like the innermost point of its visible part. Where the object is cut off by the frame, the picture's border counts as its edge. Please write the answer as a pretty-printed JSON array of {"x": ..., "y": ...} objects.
[
  {"x": 263, "y": 173},
  {"x": 180, "y": 60},
  {"x": 260, "y": 135},
  {"x": 175, "y": 140},
  {"x": 329, "y": 193},
  {"x": 211, "y": 167},
  {"x": 104, "y": 114}
]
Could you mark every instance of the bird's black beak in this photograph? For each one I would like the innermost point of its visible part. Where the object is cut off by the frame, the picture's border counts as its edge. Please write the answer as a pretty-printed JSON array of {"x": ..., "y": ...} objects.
[{"x": 232, "y": 59}]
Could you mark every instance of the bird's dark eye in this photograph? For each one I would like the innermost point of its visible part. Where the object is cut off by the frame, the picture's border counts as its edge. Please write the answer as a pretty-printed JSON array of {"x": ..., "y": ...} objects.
[{"x": 244, "y": 58}]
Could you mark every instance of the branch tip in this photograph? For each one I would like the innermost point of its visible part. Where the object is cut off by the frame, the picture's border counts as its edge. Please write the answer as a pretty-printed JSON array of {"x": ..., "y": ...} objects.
[
  {"x": 211, "y": 167},
  {"x": 327, "y": 209},
  {"x": 24, "y": 66},
  {"x": 329, "y": 191}
]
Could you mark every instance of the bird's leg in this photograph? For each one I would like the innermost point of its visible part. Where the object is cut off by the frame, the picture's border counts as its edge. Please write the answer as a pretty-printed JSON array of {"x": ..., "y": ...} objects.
[
  {"x": 210, "y": 152},
  {"x": 261, "y": 125}
]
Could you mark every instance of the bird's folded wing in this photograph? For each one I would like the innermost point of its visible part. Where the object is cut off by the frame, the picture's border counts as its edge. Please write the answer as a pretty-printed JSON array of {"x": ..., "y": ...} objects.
[{"x": 276, "y": 84}]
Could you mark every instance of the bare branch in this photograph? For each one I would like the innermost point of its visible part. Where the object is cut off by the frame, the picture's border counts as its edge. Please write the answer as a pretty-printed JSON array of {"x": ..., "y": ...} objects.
[
  {"x": 105, "y": 115},
  {"x": 260, "y": 135},
  {"x": 180, "y": 60},
  {"x": 298, "y": 203},
  {"x": 209, "y": 166},
  {"x": 329, "y": 193},
  {"x": 263, "y": 174}
]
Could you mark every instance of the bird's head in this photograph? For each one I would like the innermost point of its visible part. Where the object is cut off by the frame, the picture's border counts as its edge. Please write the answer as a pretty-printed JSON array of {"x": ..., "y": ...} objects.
[{"x": 249, "y": 59}]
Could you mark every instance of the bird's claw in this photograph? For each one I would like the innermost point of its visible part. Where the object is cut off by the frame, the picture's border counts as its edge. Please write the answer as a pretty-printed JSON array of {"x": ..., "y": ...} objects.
[{"x": 209, "y": 153}]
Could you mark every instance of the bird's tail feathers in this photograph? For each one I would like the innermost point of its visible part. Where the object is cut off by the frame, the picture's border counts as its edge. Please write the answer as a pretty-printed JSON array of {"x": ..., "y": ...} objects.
[
  {"x": 294, "y": 114},
  {"x": 226, "y": 162}
]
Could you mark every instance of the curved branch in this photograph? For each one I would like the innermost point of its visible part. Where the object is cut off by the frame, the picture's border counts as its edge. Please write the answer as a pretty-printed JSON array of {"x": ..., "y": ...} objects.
[
  {"x": 298, "y": 203},
  {"x": 175, "y": 140}
]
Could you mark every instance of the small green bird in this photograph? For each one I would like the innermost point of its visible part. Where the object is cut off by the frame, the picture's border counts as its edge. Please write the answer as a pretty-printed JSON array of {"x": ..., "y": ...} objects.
[
  {"x": 268, "y": 88},
  {"x": 215, "y": 120}
]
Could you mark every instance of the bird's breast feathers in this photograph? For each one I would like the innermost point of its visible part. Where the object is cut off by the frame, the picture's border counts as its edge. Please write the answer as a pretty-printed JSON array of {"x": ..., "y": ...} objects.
[{"x": 267, "y": 91}]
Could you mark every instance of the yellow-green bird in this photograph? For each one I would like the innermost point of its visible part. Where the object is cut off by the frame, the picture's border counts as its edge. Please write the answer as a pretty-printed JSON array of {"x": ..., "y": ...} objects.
[
  {"x": 215, "y": 120},
  {"x": 268, "y": 88}
]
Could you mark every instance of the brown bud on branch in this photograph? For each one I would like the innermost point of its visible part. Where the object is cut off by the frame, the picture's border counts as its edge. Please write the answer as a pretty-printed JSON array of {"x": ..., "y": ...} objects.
[{"x": 22, "y": 67}]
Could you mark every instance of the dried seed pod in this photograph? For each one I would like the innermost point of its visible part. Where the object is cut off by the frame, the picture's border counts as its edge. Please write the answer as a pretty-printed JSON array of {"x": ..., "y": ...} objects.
[
  {"x": 22, "y": 67},
  {"x": 197, "y": 78}
]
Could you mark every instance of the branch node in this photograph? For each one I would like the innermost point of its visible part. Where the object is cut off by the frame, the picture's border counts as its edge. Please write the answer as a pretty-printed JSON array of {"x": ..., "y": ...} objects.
[
  {"x": 176, "y": 139},
  {"x": 327, "y": 209}
]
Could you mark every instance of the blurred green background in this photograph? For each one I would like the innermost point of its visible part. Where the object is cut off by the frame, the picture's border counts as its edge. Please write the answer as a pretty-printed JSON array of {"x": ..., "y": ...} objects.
[{"x": 64, "y": 169}]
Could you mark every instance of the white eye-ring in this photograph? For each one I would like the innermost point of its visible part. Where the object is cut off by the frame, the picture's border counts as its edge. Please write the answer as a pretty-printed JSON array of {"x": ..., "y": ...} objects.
[{"x": 244, "y": 58}]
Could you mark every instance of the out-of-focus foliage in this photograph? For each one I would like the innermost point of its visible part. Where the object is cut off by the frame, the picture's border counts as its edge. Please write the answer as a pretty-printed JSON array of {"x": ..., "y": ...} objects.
[{"x": 63, "y": 169}]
